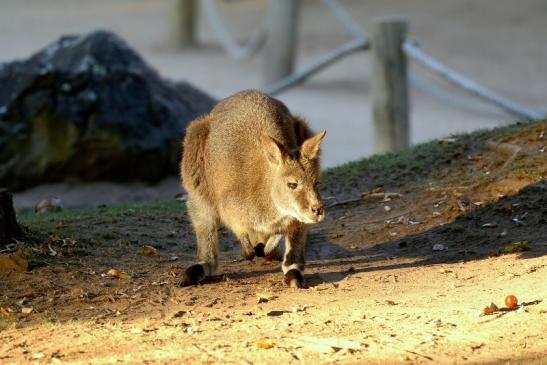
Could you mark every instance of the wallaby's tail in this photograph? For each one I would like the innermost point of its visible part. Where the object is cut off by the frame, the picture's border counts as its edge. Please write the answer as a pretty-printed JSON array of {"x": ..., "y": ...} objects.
[{"x": 194, "y": 154}]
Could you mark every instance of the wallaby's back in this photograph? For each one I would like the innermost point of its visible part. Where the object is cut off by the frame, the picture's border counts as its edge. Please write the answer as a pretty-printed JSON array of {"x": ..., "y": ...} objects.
[{"x": 224, "y": 146}]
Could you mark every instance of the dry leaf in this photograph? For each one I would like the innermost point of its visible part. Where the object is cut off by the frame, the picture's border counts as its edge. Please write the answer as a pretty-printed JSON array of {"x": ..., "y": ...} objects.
[
  {"x": 26, "y": 310},
  {"x": 489, "y": 309},
  {"x": 13, "y": 261},
  {"x": 52, "y": 204},
  {"x": 327, "y": 345},
  {"x": 438, "y": 247},
  {"x": 5, "y": 312},
  {"x": 264, "y": 297},
  {"x": 490, "y": 225},
  {"x": 117, "y": 274},
  {"x": 514, "y": 247},
  {"x": 446, "y": 140},
  {"x": 149, "y": 250},
  {"x": 265, "y": 344}
]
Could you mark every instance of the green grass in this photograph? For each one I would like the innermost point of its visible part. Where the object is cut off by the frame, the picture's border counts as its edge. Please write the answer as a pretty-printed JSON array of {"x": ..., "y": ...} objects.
[
  {"x": 418, "y": 165},
  {"x": 28, "y": 217}
]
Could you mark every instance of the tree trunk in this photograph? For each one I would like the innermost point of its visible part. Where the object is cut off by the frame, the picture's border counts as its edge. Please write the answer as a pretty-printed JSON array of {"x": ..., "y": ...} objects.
[{"x": 8, "y": 225}]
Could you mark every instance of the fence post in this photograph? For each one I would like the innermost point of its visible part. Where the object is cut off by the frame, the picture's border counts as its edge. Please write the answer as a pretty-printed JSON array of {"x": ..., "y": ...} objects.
[
  {"x": 183, "y": 23},
  {"x": 279, "y": 50},
  {"x": 390, "y": 104}
]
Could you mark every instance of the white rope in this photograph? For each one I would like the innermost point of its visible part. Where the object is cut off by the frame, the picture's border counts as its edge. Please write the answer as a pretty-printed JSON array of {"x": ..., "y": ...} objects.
[
  {"x": 324, "y": 61},
  {"x": 411, "y": 49},
  {"x": 342, "y": 15},
  {"x": 231, "y": 46}
]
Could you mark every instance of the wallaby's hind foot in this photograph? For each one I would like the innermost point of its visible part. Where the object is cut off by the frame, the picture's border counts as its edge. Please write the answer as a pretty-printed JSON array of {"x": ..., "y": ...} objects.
[
  {"x": 294, "y": 279},
  {"x": 193, "y": 275},
  {"x": 248, "y": 254}
]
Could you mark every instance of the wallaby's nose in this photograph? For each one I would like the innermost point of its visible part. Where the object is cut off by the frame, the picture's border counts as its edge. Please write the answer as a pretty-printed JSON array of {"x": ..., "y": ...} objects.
[{"x": 317, "y": 210}]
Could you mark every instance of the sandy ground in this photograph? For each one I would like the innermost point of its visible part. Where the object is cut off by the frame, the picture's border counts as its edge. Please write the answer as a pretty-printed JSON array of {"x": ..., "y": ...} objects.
[{"x": 378, "y": 290}]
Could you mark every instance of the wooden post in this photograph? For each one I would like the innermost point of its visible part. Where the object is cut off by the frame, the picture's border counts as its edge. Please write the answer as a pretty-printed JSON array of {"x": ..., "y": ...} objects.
[
  {"x": 390, "y": 105},
  {"x": 279, "y": 50},
  {"x": 183, "y": 22},
  {"x": 8, "y": 225}
]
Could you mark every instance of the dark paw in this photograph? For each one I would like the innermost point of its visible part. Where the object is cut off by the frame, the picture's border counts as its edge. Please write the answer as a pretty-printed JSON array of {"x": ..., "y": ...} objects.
[
  {"x": 193, "y": 275},
  {"x": 248, "y": 254},
  {"x": 294, "y": 279},
  {"x": 259, "y": 250}
]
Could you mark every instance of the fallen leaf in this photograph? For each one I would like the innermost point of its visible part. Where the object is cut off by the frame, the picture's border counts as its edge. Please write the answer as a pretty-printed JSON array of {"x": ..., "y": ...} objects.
[
  {"x": 117, "y": 274},
  {"x": 299, "y": 308},
  {"x": 149, "y": 250},
  {"x": 27, "y": 310},
  {"x": 264, "y": 297},
  {"x": 52, "y": 252},
  {"x": 445, "y": 140},
  {"x": 490, "y": 309},
  {"x": 390, "y": 302},
  {"x": 438, "y": 247},
  {"x": 52, "y": 204},
  {"x": 5, "y": 312},
  {"x": 326, "y": 345},
  {"x": 13, "y": 261},
  {"x": 265, "y": 344},
  {"x": 490, "y": 225},
  {"x": 514, "y": 247}
]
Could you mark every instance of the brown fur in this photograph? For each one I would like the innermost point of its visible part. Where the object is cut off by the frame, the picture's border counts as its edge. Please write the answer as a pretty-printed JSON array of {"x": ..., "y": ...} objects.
[{"x": 238, "y": 162}]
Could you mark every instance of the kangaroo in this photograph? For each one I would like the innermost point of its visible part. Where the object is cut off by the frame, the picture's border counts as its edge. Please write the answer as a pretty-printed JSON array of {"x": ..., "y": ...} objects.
[{"x": 253, "y": 167}]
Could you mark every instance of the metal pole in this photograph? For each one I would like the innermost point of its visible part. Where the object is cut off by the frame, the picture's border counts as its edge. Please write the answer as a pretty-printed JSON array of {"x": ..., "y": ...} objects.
[
  {"x": 390, "y": 104},
  {"x": 279, "y": 52}
]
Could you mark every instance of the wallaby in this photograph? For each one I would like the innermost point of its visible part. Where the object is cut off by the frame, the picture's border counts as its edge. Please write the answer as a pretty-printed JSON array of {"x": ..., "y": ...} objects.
[{"x": 254, "y": 167}]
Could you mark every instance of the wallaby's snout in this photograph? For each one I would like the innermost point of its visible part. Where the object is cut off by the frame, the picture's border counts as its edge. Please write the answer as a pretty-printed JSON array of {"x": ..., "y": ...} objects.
[{"x": 317, "y": 212}]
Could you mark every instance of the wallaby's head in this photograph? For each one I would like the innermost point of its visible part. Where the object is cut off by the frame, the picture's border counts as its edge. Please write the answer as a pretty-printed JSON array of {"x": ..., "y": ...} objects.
[{"x": 295, "y": 183}]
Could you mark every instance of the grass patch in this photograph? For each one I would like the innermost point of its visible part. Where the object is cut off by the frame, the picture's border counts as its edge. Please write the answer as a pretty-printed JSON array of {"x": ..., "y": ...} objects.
[
  {"x": 416, "y": 166},
  {"x": 28, "y": 217}
]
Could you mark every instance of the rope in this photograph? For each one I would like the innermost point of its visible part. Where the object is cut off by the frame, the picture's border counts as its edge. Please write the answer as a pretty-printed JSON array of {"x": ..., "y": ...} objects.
[
  {"x": 463, "y": 102},
  {"x": 342, "y": 15},
  {"x": 231, "y": 46},
  {"x": 327, "y": 59},
  {"x": 412, "y": 49}
]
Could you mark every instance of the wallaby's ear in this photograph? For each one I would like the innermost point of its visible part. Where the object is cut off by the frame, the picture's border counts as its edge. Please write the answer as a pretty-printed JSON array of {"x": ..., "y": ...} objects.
[
  {"x": 275, "y": 152},
  {"x": 310, "y": 147}
]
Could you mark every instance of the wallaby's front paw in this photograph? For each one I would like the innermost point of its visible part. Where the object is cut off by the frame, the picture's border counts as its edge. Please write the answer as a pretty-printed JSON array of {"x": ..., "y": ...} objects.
[
  {"x": 193, "y": 275},
  {"x": 259, "y": 250},
  {"x": 294, "y": 279}
]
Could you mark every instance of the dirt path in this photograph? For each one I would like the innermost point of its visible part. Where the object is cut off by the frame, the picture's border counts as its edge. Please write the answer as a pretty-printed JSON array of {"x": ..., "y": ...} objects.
[{"x": 378, "y": 290}]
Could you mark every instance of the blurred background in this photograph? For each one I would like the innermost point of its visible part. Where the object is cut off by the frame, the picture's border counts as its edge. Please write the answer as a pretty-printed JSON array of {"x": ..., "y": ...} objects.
[{"x": 498, "y": 43}]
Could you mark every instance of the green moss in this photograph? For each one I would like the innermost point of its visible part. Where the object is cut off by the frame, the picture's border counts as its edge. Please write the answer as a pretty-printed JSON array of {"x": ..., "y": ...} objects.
[
  {"x": 419, "y": 165},
  {"x": 167, "y": 206}
]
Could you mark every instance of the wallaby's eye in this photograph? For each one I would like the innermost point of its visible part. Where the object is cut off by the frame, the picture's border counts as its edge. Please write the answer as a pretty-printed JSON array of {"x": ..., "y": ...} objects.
[
  {"x": 292, "y": 186},
  {"x": 317, "y": 183}
]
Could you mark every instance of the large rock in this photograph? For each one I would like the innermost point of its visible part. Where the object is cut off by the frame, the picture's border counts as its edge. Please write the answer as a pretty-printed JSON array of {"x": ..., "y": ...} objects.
[{"x": 89, "y": 108}]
